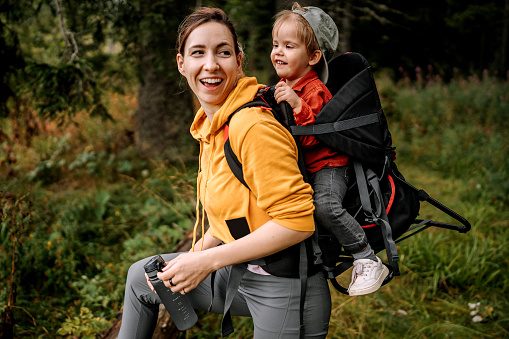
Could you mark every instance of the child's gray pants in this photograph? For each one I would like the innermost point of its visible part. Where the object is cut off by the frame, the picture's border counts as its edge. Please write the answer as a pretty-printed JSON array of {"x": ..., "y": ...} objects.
[
  {"x": 330, "y": 185},
  {"x": 271, "y": 301}
]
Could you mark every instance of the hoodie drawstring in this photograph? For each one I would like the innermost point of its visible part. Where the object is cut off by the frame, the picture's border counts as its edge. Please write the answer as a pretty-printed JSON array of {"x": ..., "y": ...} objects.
[
  {"x": 198, "y": 185},
  {"x": 197, "y": 209}
]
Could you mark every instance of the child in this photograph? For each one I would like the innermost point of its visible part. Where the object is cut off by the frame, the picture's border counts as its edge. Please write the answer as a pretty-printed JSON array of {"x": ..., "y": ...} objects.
[{"x": 303, "y": 40}]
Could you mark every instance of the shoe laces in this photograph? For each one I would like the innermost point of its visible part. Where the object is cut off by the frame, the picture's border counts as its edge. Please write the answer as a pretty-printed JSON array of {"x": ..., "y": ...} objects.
[{"x": 361, "y": 269}]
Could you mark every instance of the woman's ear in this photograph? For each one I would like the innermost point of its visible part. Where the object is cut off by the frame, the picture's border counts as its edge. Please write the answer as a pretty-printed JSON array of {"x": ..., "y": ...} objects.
[
  {"x": 239, "y": 62},
  {"x": 315, "y": 57},
  {"x": 180, "y": 64}
]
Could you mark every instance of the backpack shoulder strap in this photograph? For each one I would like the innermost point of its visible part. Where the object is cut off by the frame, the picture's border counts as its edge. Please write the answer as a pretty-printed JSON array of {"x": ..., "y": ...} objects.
[
  {"x": 336, "y": 126},
  {"x": 231, "y": 158}
]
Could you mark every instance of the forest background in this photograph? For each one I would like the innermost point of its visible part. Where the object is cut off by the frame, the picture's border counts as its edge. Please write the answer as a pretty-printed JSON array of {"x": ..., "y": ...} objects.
[{"x": 97, "y": 165}]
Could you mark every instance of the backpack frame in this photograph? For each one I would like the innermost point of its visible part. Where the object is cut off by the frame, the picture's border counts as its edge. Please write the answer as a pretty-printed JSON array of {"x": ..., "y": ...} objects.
[{"x": 380, "y": 198}]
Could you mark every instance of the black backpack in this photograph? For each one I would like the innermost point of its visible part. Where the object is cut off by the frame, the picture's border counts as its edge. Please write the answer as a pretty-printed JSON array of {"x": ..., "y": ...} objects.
[{"x": 380, "y": 199}]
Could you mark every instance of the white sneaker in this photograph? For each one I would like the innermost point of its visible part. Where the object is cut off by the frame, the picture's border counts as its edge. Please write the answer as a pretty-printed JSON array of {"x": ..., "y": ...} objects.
[{"x": 367, "y": 276}]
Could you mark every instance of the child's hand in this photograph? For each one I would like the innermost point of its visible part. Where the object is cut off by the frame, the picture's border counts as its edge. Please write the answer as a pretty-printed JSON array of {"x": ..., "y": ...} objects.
[{"x": 286, "y": 93}]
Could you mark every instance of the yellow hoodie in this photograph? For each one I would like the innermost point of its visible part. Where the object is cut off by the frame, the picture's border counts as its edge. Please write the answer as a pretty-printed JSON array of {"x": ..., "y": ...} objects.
[{"x": 268, "y": 155}]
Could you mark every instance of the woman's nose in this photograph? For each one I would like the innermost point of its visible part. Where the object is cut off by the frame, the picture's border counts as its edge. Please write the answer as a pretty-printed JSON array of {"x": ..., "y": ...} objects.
[{"x": 211, "y": 63}]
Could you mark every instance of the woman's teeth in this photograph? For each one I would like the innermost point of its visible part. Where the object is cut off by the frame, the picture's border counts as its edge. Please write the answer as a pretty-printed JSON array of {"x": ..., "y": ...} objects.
[{"x": 211, "y": 81}]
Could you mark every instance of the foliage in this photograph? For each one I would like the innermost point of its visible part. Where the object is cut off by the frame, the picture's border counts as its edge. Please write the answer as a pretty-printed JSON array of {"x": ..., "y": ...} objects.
[
  {"x": 47, "y": 61},
  {"x": 62, "y": 91},
  {"x": 83, "y": 325},
  {"x": 255, "y": 33},
  {"x": 15, "y": 219},
  {"x": 97, "y": 207},
  {"x": 457, "y": 128}
]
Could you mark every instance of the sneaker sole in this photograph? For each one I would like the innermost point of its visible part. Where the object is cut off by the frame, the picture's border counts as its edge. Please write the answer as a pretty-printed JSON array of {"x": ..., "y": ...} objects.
[{"x": 374, "y": 287}]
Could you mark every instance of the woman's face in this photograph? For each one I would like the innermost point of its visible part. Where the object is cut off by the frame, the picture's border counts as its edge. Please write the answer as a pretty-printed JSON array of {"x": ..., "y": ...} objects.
[{"x": 210, "y": 65}]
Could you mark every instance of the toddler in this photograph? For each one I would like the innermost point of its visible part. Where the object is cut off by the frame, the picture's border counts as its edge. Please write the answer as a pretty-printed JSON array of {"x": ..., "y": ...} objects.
[{"x": 303, "y": 40}]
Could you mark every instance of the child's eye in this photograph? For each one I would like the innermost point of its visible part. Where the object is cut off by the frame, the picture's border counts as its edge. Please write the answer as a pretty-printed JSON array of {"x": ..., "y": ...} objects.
[
  {"x": 289, "y": 46},
  {"x": 275, "y": 45}
]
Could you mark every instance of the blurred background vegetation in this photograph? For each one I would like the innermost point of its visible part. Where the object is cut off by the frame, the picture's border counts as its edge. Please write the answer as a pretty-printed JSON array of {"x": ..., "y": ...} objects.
[{"x": 97, "y": 166}]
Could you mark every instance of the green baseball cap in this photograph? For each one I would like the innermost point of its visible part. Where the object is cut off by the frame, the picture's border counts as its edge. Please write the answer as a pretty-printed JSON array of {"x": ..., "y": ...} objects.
[{"x": 327, "y": 35}]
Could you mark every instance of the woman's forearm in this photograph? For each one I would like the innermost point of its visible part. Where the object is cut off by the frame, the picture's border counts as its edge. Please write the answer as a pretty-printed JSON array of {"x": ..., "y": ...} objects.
[
  {"x": 268, "y": 239},
  {"x": 208, "y": 242}
]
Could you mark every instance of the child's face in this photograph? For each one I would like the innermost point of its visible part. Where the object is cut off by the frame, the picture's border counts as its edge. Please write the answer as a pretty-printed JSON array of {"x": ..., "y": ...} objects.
[{"x": 289, "y": 55}]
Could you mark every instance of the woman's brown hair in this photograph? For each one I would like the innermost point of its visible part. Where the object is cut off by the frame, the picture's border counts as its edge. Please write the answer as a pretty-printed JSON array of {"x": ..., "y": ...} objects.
[{"x": 201, "y": 16}]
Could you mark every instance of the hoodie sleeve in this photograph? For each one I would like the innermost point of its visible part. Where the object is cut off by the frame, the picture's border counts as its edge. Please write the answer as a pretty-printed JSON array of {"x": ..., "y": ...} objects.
[{"x": 268, "y": 155}]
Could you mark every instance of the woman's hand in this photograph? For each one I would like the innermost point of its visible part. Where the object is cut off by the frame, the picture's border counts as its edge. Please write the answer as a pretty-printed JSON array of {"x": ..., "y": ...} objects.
[
  {"x": 284, "y": 92},
  {"x": 186, "y": 271},
  {"x": 182, "y": 279},
  {"x": 149, "y": 283}
]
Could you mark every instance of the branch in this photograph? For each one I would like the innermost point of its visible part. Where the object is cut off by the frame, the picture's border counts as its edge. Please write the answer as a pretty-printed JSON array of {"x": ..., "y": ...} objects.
[
  {"x": 373, "y": 15},
  {"x": 70, "y": 42}
]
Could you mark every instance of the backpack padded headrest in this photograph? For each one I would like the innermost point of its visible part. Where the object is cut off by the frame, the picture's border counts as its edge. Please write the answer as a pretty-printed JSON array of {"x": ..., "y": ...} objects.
[{"x": 343, "y": 68}]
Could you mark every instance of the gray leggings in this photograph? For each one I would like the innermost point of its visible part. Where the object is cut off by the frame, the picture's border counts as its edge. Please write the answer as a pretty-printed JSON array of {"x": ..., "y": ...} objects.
[{"x": 271, "y": 301}]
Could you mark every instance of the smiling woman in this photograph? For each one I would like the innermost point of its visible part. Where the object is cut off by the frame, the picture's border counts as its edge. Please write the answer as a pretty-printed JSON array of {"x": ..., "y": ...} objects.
[{"x": 269, "y": 217}]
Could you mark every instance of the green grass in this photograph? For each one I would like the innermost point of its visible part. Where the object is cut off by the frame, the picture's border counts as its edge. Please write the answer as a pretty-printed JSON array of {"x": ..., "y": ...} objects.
[
  {"x": 95, "y": 206},
  {"x": 442, "y": 271}
]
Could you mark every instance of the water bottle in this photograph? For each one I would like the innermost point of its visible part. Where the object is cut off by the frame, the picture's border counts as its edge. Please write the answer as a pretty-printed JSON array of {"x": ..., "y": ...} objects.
[{"x": 178, "y": 305}]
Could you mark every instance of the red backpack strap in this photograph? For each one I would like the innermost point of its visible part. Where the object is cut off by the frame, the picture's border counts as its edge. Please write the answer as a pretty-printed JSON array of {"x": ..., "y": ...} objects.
[{"x": 226, "y": 132}]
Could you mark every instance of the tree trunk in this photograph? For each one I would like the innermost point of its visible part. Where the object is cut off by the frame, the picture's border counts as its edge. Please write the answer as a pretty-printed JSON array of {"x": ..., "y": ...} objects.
[
  {"x": 164, "y": 117},
  {"x": 165, "y": 109},
  {"x": 165, "y": 328}
]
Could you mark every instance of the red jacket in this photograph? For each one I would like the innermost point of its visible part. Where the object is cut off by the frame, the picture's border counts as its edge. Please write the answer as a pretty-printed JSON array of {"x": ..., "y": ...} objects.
[{"x": 314, "y": 95}]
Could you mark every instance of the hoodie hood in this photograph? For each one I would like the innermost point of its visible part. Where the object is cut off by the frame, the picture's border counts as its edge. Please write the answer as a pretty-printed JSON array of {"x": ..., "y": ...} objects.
[{"x": 244, "y": 92}]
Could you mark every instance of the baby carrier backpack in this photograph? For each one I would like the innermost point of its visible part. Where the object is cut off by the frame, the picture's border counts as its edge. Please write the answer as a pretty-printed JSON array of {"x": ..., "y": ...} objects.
[{"x": 384, "y": 204}]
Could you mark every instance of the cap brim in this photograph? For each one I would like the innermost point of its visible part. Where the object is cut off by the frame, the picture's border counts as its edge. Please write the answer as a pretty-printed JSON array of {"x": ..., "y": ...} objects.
[{"x": 322, "y": 69}]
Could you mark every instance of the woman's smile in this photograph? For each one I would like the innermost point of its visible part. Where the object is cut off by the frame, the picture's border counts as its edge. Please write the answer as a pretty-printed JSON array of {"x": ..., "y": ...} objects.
[{"x": 211, "y": 83}]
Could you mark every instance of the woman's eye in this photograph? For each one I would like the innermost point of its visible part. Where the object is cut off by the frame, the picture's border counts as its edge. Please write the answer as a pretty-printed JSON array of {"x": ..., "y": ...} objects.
[
  {"x": 196, "y": 53},
  {"x": 225, "y": 53}
]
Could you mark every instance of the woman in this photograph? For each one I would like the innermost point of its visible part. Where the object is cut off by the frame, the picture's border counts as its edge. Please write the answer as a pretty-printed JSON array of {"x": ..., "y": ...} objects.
[{"x": 275, "y": 213}]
